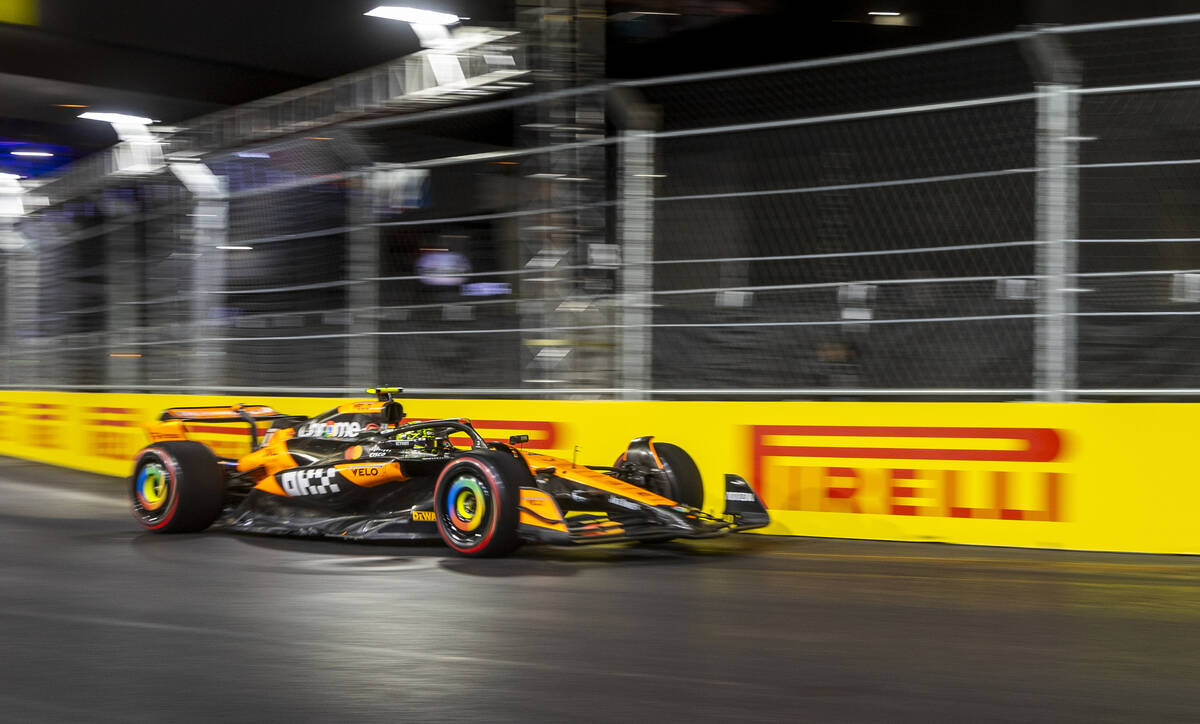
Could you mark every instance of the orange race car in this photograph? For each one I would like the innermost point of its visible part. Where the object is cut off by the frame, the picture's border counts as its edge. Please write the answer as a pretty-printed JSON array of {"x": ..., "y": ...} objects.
[{"x": 360, "y": 472}]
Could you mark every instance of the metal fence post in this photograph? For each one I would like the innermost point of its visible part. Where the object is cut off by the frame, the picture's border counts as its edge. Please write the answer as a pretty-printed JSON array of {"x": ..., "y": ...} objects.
[
  {"x": 565, "y": 46},
  {"x": 1055, "y": 347},
  {"x": 1057, "y": 221},
  {"x": 122, "y": 371},
  {"x": 362, "y": 294},
  {"x": 210, "y": 229},
  {"x": 21, "y": 307},
  {"x": 636, "y": 229}
]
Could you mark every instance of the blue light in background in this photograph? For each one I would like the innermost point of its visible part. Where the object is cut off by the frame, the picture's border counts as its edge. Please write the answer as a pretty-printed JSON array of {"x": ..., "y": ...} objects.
[{"x": 30, "y": 166}]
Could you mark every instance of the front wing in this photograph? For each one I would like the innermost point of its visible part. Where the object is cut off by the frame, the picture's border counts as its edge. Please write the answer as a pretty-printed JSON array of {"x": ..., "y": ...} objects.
[{"x": 620, "y": 519}]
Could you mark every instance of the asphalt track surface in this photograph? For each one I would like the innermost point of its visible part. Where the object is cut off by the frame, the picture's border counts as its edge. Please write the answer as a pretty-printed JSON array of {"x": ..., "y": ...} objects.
[{"x": 102, "y": 623}]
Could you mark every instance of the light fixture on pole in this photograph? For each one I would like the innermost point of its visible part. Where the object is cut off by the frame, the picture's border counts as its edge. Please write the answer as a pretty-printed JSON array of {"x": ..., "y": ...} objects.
[
  {"x": 138, "y": 151},
  {"x": 413, "y": 15},
  {"x": 115, "y": 118},
  {"x": 11, "y": 210},
  {"x": 432, "y": 28}
]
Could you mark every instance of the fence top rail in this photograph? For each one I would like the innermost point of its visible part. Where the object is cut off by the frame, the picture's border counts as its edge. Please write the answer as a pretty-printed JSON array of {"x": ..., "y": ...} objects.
[{"x": 1122, "y": 24}]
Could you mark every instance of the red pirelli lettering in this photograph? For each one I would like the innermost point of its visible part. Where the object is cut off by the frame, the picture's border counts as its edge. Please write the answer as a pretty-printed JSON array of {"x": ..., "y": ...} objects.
[
  {"x": 1036, "y": 444},
  {"x": 1024, "y": 493}
]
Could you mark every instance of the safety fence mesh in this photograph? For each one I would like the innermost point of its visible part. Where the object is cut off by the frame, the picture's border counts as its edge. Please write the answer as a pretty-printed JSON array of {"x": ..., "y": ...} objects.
[{"x": 876, "y": 225}]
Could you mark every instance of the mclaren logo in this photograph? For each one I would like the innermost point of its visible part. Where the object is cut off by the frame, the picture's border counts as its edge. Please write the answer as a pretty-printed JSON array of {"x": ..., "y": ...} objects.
[{"x": 317, "y": 481}]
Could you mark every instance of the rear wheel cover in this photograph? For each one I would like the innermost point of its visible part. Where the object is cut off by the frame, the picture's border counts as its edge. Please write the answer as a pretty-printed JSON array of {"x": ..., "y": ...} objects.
[
  {"x": 468, "y": 507},
  {"x": 152, "y": 486},
  {"x": 154, "y": 489}
]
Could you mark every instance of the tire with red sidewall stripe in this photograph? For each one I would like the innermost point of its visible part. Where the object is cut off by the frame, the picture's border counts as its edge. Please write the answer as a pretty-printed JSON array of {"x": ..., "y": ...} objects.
[
  {"x": 475, "y": 500},
  {"x": 176, "y": 487}
]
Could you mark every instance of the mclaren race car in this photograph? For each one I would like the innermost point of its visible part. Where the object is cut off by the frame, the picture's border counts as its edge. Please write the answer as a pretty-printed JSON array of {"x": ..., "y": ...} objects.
[{"x": 360, "y": 471}]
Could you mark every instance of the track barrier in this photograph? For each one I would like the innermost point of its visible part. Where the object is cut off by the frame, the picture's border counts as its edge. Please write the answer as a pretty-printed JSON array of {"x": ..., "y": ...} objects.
[{"x": 1116, "y": 477}]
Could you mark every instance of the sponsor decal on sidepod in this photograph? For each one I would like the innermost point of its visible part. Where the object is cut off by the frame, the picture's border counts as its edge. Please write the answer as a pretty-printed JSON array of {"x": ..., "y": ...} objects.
[{"x": 309, "y": 482}]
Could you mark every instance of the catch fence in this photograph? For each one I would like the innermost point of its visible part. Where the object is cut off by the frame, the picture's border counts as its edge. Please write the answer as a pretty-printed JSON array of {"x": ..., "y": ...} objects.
[{"x": 1007, "y": 217}]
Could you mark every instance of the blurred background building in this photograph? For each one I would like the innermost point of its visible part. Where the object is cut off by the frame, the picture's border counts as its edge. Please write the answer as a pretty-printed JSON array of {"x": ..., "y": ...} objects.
[{"x": 707, "y": 198}]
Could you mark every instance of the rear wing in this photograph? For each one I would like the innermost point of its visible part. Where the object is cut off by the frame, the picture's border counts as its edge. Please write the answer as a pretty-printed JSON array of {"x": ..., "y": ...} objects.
[
  {"x": 172, "y": 420},
  {"x": 228, "y": 413}
]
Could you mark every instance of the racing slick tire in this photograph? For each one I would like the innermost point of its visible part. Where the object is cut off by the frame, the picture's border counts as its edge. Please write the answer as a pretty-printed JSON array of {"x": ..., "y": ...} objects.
[
  {"x": 475, "y": 501},
  {"x": 684, "y": 484},
  {"x": 683, "y": 481},
  {"x": 176, "y": 487}
]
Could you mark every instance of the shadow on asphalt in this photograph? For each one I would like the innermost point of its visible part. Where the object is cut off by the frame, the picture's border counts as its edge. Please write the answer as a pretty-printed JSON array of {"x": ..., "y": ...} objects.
[{"x": 328, "y": 555}]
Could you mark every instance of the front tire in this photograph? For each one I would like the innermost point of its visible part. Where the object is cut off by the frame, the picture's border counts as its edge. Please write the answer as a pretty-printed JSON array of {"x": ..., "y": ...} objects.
[
  {"x": 475, "y": 500},
  {"x": 680, "y": 480},
  {"x": 176, "y": 487},
  {"x": 684, "y": 483}
]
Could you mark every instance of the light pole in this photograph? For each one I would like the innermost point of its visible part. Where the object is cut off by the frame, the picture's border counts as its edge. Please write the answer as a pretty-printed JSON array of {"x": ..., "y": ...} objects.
[{"x": 138, "y": 151}]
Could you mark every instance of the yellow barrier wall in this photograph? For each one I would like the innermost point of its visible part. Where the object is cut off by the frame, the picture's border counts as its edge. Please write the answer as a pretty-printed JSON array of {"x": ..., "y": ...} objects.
[{"x": 1081, "y": 476}]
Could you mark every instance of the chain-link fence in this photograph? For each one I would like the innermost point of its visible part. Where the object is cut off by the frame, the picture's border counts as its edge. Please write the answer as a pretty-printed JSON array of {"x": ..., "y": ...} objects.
[{"x": 1000, "y": 217}]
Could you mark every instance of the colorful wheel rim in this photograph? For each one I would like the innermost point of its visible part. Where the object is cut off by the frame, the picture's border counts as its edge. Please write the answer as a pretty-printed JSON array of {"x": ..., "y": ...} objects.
[
  {"x": 466, "y": 504},
  {"x": 152, "y": 487}
]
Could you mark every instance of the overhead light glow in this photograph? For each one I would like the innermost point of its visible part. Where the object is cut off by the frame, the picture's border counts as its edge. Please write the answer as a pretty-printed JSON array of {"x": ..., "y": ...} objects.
[
  {"x": 42, "y": 154},
  {"x": 413, "y": 15},
  {"x": 886, "y": 13},
  {"x": 69, "y": 105},
  {"x": 115, "y": 118},
  {"x": 236, "y": 248},
  {"x": 252, "y": 154}
]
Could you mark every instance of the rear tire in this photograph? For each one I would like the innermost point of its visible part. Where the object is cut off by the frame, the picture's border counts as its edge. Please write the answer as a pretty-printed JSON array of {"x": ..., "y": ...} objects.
[
  {"x": 176, "y": 487},
  {"x": 475, "y": 500}
]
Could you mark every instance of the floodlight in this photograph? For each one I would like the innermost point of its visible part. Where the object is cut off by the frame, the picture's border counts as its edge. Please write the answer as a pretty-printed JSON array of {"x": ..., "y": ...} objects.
[
  {"x": 43, "y": 154},
  {"x": 115, "y": 118},
  {"x": 413, "y": 15}
]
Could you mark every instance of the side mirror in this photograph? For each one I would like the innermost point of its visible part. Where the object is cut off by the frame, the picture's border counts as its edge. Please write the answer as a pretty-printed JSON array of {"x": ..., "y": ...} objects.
[{"x": 517, "y": 439}]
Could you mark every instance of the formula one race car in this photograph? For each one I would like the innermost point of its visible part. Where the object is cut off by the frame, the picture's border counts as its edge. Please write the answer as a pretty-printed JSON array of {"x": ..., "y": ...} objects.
[{"x": 359, "y": 472}]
